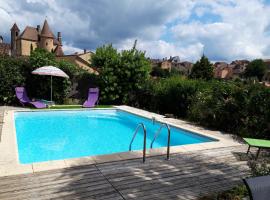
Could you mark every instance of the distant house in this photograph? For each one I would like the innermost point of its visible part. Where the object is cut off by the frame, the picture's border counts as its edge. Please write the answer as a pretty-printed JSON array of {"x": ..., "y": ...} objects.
[
  {"x": 80, "y": 59},
  {"x": 223, "y": 70},
  {"x": 183, "y": 67},
  {"x": 239, "y": 67},
  {"x": 4, "y": 47},
  {"x": 166, "y": 64},
  {"x": 172, "y": 63}
]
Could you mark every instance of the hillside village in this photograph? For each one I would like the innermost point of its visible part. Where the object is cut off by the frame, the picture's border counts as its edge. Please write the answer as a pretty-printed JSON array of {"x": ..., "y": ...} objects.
[
  {"x": 22, "y": 43},
  {"x": 222, "y": 70}
]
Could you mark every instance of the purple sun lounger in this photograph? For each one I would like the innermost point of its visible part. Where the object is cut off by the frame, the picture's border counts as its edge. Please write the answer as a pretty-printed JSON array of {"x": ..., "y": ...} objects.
[
  {"x": 92, "y": 99},
  {"x": 23, "y": 98}
]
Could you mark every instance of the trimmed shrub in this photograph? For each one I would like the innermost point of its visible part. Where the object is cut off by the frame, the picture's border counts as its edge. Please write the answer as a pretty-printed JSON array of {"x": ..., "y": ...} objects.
[{"x": 234, "y": 107}]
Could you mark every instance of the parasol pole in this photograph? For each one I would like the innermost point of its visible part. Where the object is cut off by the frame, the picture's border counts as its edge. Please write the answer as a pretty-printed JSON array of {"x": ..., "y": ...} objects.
[{"x": 51, "y": 88}]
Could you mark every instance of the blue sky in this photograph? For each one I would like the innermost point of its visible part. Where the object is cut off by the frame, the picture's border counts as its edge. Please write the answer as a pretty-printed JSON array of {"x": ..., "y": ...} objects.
[{"x": 223, "y": 29}]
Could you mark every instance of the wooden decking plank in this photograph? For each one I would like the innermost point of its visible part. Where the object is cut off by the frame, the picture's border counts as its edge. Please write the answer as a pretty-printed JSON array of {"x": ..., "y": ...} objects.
[
  {"x": 163, "y": 165},
  {"x": 185, "y": 176},
  {"x": 175, "y": 187},
  {"x": 44, "y": 174},
  {"x": 47, "y": 193},
  {"x": 156, "y": 170},
  {"x": 168, "y": 173},
  {"x": 156, "y": 185},
  {"x": 150, "y": 162},
  {"x": 37, "y": 184},
  {"x": 170, "y": 180}
]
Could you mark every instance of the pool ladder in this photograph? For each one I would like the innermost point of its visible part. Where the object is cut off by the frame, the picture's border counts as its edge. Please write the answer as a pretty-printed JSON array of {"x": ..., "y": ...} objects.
[
  {"x": 168, "y": 139},
  {"x": 155, "y": 137},
  {"x": 144, "y": 139}
]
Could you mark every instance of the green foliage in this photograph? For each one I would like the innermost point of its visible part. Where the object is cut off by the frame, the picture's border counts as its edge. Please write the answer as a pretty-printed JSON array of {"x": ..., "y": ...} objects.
[
  {"x": 231, "y": 107},
  {"x": 171, "y": 95},
  {"x": 159, "y": 72},
  {"x": 41, "y": 57},
  {"x": 11, "y": 75},
  {"x": 261, "y": 168},
  {"x": 202, "y": 69},
  {"x": 17, "y": 72},
  {"x": 236, "y": 193},
  {"x": 85, "y": 81},
  {"x": 121, "y": 74},
  {"x": 234, "y": 107},
  {"x": 39, "y": 86},
  {"x": 255, "y": 68}
]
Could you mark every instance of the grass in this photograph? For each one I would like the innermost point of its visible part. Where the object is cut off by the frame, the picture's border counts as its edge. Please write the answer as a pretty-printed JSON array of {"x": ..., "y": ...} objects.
[{"x": 76, "y": 106}]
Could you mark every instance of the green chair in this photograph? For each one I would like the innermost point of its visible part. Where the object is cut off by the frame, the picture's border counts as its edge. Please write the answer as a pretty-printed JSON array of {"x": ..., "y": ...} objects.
[{"x": 260, "y": 144}]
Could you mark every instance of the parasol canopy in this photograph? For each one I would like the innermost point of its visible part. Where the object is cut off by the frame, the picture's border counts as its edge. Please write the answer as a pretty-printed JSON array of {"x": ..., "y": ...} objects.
[{"x": 50, "y": 71}]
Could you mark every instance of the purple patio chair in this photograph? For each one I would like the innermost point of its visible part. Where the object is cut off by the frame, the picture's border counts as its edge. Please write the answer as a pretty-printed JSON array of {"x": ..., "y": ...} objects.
[
  {"x": 258, "y": 187},
  {"x": 92, "y": 99},
  {"x": 23, "y": 98}
]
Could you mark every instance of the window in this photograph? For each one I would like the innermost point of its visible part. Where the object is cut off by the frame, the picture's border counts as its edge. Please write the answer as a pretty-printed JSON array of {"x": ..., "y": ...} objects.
[
  {"x": 16, "y": 33},
  {"x": 46, "y": 43}
]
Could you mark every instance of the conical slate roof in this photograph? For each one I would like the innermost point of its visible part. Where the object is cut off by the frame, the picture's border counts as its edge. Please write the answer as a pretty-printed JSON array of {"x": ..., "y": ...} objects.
[
  {"x": 15, "y": 27},
  {"x": 46, "y": 31}
]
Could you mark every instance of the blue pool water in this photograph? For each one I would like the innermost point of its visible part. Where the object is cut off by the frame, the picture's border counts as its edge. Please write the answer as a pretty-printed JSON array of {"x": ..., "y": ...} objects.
[{"x": 55, "y": 135}]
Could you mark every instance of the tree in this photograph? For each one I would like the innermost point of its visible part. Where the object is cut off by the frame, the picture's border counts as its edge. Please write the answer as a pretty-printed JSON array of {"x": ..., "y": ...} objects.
[
  {"x": 255, "y": 68},
  {"x": 11, "y": 75},
  {"x": 121, "y": 73},
  {"x": 40, "y": 57},
  {"x": 202, "y": 69},
  {"x": 39, "y": 86}
]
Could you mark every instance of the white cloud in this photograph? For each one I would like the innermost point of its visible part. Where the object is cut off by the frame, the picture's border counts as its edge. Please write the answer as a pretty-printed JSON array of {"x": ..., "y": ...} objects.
[
  {"x": 160, "y": 49},
  {"x": 70, "y": 49},
  {"x": 240, "y": 34},
  {"x": 236, "y": 29}
]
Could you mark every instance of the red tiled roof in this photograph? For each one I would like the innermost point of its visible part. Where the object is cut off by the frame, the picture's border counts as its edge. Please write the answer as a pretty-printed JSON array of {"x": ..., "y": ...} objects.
[
  {"x": 46, "y": 31},
  {"x": 29, "y": 33}
]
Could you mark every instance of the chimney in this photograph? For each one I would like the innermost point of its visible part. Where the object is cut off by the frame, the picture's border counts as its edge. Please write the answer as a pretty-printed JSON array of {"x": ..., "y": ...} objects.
[
  {"x": 59, "y": 38},
  {"x": 84, "y": 51}
]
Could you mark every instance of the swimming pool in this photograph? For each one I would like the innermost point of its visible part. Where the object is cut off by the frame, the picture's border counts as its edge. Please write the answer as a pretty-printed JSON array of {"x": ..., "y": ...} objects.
[{"x": 56, "y": 135}]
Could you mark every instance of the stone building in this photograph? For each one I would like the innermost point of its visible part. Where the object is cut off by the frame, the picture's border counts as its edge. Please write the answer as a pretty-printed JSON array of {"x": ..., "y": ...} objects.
[
  {"x": 34, "y": 37},
  {"x": 4, "y": 47},
  {"x": 80, "y": 59},
  {"x": 22, "y": 43},
  {"x": 223, "y": 70}
]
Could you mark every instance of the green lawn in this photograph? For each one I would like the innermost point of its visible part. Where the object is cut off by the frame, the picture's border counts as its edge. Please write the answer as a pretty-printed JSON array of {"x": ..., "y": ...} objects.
[{"x": 77, "y": 106}]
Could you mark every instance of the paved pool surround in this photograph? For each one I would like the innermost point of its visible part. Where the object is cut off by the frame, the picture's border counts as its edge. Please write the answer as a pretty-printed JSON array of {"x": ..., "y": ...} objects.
[{"x": 9, "y": 162}]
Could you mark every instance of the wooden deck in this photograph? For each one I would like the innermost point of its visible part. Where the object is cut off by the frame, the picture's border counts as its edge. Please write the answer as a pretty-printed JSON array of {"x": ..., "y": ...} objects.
[{"x": 185, "y": 176}]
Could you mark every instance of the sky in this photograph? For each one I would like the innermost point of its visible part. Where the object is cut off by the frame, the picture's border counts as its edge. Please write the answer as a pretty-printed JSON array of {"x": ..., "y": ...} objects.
[{"x": 223, "y": 30}]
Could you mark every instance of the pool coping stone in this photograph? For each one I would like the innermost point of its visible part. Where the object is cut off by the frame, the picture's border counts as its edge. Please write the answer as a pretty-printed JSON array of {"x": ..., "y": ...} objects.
[{"x": 9, "y": 162}]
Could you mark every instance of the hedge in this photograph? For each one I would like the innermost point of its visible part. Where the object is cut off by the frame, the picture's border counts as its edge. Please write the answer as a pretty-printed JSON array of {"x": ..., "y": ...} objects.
[{"x": 234, "y": 107}]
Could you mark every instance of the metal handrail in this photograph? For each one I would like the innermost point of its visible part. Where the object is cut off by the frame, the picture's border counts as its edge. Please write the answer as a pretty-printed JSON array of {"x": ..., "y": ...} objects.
[
  {"x": 168, "y": 141},
  {"x": 144, "y": 139}
]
